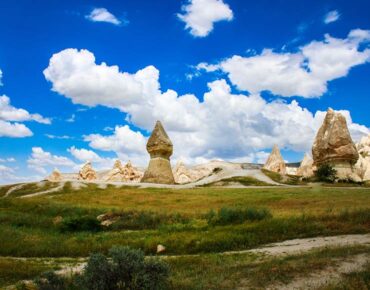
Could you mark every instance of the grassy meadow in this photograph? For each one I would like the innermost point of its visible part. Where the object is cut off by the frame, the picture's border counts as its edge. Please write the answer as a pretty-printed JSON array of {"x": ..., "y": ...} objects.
[{"x": 204, "y": 220}]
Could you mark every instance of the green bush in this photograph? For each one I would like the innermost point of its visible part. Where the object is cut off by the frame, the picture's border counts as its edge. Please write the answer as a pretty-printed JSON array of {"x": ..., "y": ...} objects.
[
  {"x": 124, "y": 268},
  {"x": 80, "y": 224},
  {"x": 226, "y": 216},
  {"x": 326, "y": 173}
]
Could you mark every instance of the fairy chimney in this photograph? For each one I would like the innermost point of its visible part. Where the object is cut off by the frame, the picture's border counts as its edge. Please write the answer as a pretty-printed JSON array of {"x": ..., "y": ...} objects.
[{"x": 160, "y": 149}]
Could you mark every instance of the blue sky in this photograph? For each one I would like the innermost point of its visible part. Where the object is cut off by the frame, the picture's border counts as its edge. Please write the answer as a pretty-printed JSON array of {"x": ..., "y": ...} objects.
[{"x": 228, "y": 79}]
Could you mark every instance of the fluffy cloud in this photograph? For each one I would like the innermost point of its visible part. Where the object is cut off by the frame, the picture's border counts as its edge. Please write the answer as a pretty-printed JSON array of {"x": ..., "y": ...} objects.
[
  {"x": 103, "y": 15},
  {"x": 331, "y": 16},
  {"x": 126, "y": 143},
  {"x": 10, "y": 113},
  {"x": 200, "y": 15},
  {"x": 11, "y": 116},
  {"x": 86, "y": 155},
  {"x": 41, "y": 161},
  {"x": 224, "y": 125},
  {"x": 304, "y": 73},
  {"x": 14, "y": 130}
]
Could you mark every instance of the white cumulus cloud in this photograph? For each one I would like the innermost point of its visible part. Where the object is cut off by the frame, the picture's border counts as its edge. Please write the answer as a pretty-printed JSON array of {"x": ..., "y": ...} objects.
[
  {"x": 42, "y": 161},
  {"x": 304, "y": 73},
  {"x": 224, "y": 125},
  {"x": 103, "y": 15},
  {"x": 331, "y": 16},
  {"x": 200, "y": 15}
]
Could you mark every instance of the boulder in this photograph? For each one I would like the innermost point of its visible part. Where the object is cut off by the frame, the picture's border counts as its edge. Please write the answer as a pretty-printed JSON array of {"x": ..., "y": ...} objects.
[
  {"x": 362, "y": 166},
  {"x": 55, "y": 176},
  {"x": 275, "y": 161},
  {"x": 87, "y": 172},
  {"x": 306, "y": 168},
  {"x": 160, "y": 249},
  {"x": 333, "y": 145},
  {"x": 160, "y": 149}
]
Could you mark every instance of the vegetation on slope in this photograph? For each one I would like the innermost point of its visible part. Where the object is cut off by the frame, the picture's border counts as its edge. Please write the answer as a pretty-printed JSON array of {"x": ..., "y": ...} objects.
[{"x": 238, "y": 180}]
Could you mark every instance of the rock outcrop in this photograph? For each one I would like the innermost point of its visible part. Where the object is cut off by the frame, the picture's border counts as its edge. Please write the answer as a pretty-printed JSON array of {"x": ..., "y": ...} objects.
[
  {"x": 55, "y": 176},
  {"x": 306, "y": 168},
  {"x": 87, "y": 172},
  {"x": 333, "y": 145},
  {"x": 362, "y": 166},
  {"x": 182, "y": 174},
  {"x": 131, "y": 174},
  {"x": 120, "y": 173},
  {"x": 275, "y": 161},
  {"x": 160, "y": 148}
]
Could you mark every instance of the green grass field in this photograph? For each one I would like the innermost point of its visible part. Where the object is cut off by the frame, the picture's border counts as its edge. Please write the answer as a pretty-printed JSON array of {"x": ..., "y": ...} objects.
[{"x": 205, "y": 220}]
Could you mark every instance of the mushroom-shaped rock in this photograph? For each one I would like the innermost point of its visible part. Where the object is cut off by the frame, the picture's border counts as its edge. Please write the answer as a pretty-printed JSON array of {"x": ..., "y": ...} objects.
[
  {"x": 87, "y": 172},
  {"x": 333, "y": 145},
  {"x": 160, "y": 148},
  {"x": 305, "y": 169},
  {"x": 55, "y": 176},
  {"x": 275, "y": 161}
]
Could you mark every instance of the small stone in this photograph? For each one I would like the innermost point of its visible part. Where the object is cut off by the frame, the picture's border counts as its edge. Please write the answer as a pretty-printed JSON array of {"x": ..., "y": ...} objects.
[
  {"x": 57, "y": 220},
  {"x": 161, "y": 249}
]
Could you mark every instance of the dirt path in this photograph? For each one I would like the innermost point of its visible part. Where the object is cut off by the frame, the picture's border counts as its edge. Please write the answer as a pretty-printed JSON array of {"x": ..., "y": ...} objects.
[
  {"x": 329, "y": 275},
  {"x": 51, "y": 190}
]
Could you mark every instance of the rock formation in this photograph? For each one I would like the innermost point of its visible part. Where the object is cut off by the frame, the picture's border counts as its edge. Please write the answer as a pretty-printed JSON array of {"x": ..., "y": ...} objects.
[
  {"x": 160, "y": 148},
  {"x": 120, "y": 173},
  {"x": 182, "y": 174},
  {"x": 362, "y": 166},
  {"x": 306, "y": 167},
  {"x": 333, "y": 145},
  {"x": 55, "y": 176},
  {"x": 131, "y": 174},
  {"x": 275, "y": 161},
  {"x": 87, "y": 172},
  {"x": 116, "y": 174}
]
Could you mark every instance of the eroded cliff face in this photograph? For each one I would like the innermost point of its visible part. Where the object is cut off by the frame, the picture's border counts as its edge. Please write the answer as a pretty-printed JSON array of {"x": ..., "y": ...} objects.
[
  {"x": 275, "y": 161},
  {"x": 306, "y": 168}
]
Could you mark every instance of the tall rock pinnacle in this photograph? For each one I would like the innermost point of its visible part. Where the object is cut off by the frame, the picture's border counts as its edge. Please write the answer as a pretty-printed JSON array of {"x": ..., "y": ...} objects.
[{"x": 160, "y": 148}]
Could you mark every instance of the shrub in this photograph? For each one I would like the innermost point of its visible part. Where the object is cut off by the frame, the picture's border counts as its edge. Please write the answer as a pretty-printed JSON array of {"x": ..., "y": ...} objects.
[
  {"x": 77, "y": 224},
  {"x": 326, "y": 173},
  {"x": 227, "y": 216},
  {"x": 125, "y": 268}
]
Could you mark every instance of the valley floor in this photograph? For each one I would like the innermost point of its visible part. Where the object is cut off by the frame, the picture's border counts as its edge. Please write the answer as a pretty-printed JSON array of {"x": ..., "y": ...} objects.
[{"x": 317, "y": 237}]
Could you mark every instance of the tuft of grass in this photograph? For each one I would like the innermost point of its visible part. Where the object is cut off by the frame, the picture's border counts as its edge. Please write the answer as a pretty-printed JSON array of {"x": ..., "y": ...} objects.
[{"x": 226, "y": 216}]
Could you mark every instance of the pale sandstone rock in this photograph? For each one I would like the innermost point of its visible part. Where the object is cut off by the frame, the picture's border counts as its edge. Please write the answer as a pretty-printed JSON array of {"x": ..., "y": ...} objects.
[
  {"x": 362, "y": 166},
  {"x": 55, "y": 176},
  {"x": 275, "y": 161},
  {"x": 333, "y": 145},
  {"x": 161, "y": 249},
  {"x": 131, "y": 173},
  {"x": 306, "y": 168},
  {"x": 87, "y": 172},
  {"x": 291, "y": 170},
  {"x": 160, "y": 148},
  {"x": 182, "y": 174}
]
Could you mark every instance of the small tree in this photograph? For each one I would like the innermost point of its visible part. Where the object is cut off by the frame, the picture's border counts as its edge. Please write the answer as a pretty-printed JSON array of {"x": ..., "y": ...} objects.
[{"x": 326, "y": 173}]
